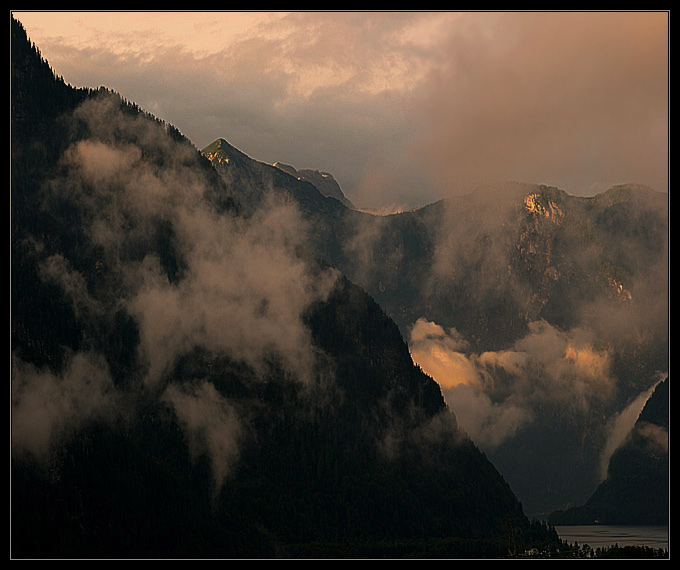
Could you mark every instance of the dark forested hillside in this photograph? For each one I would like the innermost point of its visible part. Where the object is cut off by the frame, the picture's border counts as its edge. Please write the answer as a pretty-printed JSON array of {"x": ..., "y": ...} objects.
[{"x": 189, "y": 380}]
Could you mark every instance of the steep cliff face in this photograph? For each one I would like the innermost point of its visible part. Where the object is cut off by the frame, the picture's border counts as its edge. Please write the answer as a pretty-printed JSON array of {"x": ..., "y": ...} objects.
[
  {"x": 557, "y": 308},
  {"x": 535, "y": 256}
]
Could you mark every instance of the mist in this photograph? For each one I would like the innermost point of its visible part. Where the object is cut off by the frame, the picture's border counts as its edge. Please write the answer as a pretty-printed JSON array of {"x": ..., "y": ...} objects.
[
  {"x": 239, "y": 290},
  {"x": 48, "y": 408},
  {"x": 403, "y": 109},
  {"x": 588, "y": 356},
  {"x": 620, "y": 427},
  {"x": 495, "y": 394}
]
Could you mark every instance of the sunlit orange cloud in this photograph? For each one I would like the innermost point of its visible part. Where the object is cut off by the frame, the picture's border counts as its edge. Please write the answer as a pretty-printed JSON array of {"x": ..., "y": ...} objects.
[
  {"x": 449, "y": 369},
  {"x": 590, "y": 363},
  {"x": 198, "y": 32},
  {"x": 439, "y": 354},
  {"x": 374, "y": 50}
]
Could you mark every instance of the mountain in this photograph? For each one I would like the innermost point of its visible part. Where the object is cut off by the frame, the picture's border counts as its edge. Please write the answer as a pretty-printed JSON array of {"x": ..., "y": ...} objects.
[
  {"x": 323, "y": 181},
  {"x": 256, "y": 178},
  {"x": 255, "y": 182},
  {"x": 542, "y": 315},
  {"x": 555, "y": 309},
  {"x": 190, "y": 379},
  {"x": 636, "y": 490}
]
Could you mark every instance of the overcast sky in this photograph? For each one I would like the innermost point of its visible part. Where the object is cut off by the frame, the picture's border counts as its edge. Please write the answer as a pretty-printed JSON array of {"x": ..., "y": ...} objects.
[{"x": 403, "y": 108}]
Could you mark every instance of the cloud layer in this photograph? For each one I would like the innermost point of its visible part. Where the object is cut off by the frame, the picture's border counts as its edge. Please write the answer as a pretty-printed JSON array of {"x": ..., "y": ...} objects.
[
  {"x": 400, "y": 107},
  {"x": 577, "y": 100}
]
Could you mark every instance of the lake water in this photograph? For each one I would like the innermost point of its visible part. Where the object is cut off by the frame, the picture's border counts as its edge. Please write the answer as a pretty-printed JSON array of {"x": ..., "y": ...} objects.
[{"x": 608, "y": 535}]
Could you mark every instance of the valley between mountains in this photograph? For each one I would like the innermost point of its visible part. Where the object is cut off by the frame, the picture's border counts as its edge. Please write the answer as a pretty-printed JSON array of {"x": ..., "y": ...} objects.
[{"x": 214, "y": 357}]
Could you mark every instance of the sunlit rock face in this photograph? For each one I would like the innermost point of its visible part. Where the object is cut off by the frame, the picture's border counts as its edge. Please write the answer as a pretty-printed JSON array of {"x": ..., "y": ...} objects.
[{"x": 536, "y": 205}]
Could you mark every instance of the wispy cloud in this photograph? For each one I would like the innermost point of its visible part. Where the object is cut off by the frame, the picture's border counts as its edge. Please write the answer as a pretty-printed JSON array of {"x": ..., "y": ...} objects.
[{"x": 240, "y": 289}]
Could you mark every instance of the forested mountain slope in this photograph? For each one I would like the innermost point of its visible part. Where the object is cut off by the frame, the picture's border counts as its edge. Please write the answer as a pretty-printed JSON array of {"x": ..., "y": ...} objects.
[
  {"x": 542, "y": 315},
  {"x": 190, "y": 380}
]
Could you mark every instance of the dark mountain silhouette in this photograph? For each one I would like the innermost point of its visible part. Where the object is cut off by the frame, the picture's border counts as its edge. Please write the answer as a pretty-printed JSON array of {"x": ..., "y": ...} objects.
[
  {"x": 566, "y": 295},
  {"x": 636, "y": 490},
  {"x": 190, "y": 379}
]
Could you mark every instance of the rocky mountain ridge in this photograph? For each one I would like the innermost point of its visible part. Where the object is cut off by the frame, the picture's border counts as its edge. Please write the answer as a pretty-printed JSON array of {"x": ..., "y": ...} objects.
[{"x": 504, "y": 271}]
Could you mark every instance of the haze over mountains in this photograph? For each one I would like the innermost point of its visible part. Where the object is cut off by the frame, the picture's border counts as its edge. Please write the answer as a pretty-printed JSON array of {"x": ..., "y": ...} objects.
[
  {"x": 541, "y": 315},
  {"x": 210, "y": 353}
]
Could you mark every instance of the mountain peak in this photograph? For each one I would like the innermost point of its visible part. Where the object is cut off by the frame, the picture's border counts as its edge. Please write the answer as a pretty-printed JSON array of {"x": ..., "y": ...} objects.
[
  {"x": 323, "y": 181},
  {"x": 220, "y": 151},
  {"x": 638, "y": 193}
]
